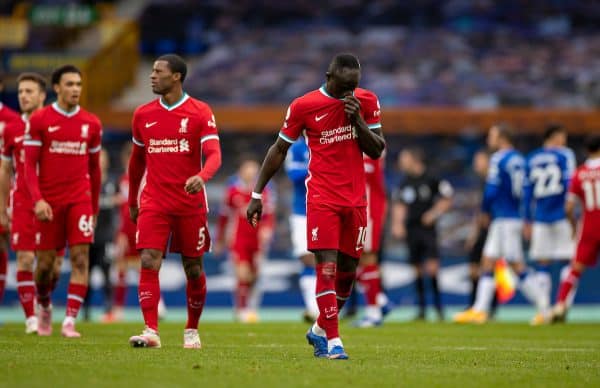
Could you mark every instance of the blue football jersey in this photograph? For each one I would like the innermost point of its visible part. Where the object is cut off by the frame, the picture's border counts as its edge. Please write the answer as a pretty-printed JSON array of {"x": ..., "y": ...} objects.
[
  {"x": 504, "y": 184},
  {"x": 547, "y": 175},
  {"x": 296, "y": 166}
]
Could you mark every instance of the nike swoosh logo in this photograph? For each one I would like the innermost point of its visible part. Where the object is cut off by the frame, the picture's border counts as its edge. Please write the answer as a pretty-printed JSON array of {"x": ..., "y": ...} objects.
[
  {"x": 53, "y": 128},
  {"x": 318, "y": 118},
  {"x": 18, "y": 139},
  {"x": 148, "y": 125},
  {"x": 329, "y": 316}
]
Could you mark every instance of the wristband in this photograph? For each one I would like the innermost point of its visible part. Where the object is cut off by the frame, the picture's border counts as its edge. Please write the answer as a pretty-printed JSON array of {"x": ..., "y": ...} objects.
[{"x": 256, "y": 195}]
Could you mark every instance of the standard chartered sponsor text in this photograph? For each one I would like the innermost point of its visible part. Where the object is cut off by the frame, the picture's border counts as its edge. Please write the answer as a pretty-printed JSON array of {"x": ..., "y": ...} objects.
[
  {"x": 157, "y": 146},
  {"x": 339, "y": 134},
  {"x": 68, "y": 147}
]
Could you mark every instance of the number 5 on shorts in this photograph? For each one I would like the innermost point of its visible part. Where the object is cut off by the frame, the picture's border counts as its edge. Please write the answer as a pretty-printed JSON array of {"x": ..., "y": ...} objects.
[{"x": 201, "y": 238}]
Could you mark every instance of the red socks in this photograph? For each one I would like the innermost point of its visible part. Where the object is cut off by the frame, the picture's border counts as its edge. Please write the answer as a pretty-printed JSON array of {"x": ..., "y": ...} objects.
[
  {"x": 121, "y": 290},
  {"x": 370, "y": 281},
  {"x": 343, "y": 287},
  {"x": 326, "y": 299},
  {"x": 26, "y": 291},
  {"x": 3, "y": 271},
  {"x": 567, "y": 285},
  {"x": 149, "y": 295},
  {"x": 196, "y": 297},
  {"x": 75, "y": 296},
  {"x": 242, "y": 293}
]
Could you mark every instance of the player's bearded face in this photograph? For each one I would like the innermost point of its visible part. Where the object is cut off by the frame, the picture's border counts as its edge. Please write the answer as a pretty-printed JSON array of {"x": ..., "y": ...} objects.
[{"x": 69, "y": 88}]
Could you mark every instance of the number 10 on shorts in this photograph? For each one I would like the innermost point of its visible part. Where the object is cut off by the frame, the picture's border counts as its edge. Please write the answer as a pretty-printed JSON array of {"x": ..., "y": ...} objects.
[{"x": 362, "y": 237}]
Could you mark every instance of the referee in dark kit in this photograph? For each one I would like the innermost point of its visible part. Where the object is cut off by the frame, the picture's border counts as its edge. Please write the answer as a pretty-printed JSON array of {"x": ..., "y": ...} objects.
[{"x": 419, "y": 202}]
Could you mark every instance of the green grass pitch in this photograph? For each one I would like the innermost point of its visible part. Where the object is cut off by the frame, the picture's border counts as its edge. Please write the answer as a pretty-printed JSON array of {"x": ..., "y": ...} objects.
[{"x": 276, "y": 355}]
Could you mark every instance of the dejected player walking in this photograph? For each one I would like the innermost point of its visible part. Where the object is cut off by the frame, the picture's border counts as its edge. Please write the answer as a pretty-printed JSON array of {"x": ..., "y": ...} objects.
[
  {"x": 340, "y": 122},
  {"x": 171, "y": 135},
  {"x": 62, "y": 145}
]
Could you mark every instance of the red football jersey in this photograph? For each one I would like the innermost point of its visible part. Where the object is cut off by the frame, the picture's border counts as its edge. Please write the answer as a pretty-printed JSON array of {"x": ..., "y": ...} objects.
[
  {"x": 585, "y": 185},
  {"x": 336, "y": 173},
  {"x": 234, "y": 209},
  {"x": 66, "y": 140},
  {"x": 375, "y": 178},
  {"x": 13, "y": 152},
  {"x": 126, "y": 226},
  {"x": 171, "y": 137},
  {"x": 6, "y": 116}
]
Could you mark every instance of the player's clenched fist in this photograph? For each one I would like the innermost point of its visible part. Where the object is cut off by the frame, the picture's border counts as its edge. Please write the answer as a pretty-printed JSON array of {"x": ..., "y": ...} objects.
[
  {"x": 254, "y": 211},
  {"x": 194, "y": 184},
  {"x": 43, "y": 210},
  {"x": 352, "y": 107}
]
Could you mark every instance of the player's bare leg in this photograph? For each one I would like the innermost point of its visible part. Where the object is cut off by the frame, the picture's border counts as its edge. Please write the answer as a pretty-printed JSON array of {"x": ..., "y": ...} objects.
[
  {"x": 149, "y": 295},
  {"x": 432, "y": 267},
  {"x": 44, "y": 274},
  {"x": 78, "y": 286},
  {"x": 566, "y": 291},
  {"x": 196, "y": 298},
  {"x": 26, "y": 289}
]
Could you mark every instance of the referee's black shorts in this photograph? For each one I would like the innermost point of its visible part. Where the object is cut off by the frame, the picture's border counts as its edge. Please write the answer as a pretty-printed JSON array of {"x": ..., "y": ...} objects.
[{"x": 422, "y": 244}]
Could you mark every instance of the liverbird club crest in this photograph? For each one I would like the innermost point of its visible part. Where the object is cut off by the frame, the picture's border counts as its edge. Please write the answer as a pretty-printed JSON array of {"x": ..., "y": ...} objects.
[
  {"x": 184, "y": 124},
  {"x": 85, "y": 130}
]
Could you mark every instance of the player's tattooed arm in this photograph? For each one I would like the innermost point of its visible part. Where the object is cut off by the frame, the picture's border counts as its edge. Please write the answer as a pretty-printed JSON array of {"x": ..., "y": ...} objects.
[
  {"x": 273, "y": 161},
  {"x": 370, "y": 142}
]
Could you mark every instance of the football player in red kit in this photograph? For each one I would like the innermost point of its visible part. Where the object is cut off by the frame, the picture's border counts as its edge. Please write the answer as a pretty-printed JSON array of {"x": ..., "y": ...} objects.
[
  {"x": 6, "y": 116},
  {"x": 247, "y": 245},
  {"x": 340, "y": 122},
  {"x": 176, "y": 150},
  {"x": 369, "y": 273},
  {"x": 62, "y": 171},
  {"x": 584, "y": 188}
]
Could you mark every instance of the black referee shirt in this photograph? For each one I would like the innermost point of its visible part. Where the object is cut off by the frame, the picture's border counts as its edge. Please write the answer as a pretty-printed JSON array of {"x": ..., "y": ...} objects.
[{"x": 419, "y": 193}]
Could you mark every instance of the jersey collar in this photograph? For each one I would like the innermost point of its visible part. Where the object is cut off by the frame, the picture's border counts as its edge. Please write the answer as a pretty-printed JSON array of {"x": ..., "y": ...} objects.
[
  {"x": 324, "y": 92},
  {"x": 63, "y": 112},
  {"x": 593, "y": 163},
  {"x": 168, "y": 107}
]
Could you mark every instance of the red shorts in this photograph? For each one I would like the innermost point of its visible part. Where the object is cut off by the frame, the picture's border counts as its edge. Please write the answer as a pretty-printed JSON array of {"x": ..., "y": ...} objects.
[
  {"x": 23, "y": 229},
  {"x": 189, "y": 233},
  {"x": 130, "y": 252},
  {"x": 70, "y": 224},
  {"x": 241, "y": 254},
  {"x": 336, "y": 227},
  {"x": 588, "y": 249},
  {"x": 3, "y": 230},
  {"x": 375, "y": 221}
]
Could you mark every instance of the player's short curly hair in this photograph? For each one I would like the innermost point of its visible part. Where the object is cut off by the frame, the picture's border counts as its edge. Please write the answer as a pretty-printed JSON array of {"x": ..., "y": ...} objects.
[
  {"x": 344, "y": 61},
  {"x": 58, "y": 73},
  {"x": 176, "y": 64}
]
